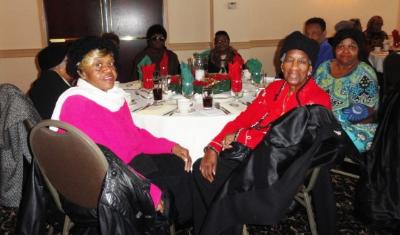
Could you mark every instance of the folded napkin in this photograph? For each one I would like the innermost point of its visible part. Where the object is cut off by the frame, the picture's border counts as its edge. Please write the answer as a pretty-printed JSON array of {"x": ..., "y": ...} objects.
[
  {"x": 187, "y": 79},
  {"x": 145, "y": 61},
  {"x": 148, "y": 71},
  {"x": 158, "y": 110},
  {"x": 235, "y": 73},
  {"x": 205, "y": 54},
  {"x": 233, "y": 108},
  {"x": 254, "y": 66}
]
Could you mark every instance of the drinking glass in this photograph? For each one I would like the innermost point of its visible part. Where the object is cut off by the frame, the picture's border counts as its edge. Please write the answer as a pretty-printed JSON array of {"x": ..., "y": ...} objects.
[
  {"x": 187, "y": 88},
  {"x": 236, "y": 87},
  {"x": 148, "y": 85},
  {"x": 207, "y": 98},
  {"x": 157, "y": 92}
]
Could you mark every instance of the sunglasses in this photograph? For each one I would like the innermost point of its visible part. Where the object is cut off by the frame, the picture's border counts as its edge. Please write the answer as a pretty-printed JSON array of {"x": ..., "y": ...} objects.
[{"x": 158, "y": 38}]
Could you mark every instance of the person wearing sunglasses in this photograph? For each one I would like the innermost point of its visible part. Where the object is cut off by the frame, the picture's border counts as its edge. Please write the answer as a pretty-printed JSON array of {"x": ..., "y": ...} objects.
[
  {"x": 222, "y": 54},
  {"x": 156, "y": 52}
]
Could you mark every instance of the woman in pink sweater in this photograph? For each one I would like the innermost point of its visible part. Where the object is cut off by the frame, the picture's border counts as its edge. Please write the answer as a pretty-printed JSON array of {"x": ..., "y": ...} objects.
[{"x": 99, "y": 109}]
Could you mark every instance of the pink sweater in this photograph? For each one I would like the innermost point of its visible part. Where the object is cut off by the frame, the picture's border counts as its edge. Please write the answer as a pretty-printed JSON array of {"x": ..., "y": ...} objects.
[{"x": 115, "y": 130}]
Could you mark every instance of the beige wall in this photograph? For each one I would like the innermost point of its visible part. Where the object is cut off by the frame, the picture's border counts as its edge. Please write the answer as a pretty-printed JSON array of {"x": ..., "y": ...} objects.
[
  {"x": 20, "y": 32},
  {"x": 271, "y": 20},
  {"x": 254, "y": 27}
]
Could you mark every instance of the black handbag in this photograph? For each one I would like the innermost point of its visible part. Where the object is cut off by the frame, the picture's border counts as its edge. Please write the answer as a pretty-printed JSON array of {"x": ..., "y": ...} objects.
[{"x": 238, "y": 152}]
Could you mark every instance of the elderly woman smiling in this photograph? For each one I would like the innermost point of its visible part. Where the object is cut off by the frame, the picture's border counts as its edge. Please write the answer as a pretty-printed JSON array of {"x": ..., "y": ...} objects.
[
  {"x": 98, "y": 108},
  {"x": 252, "y": 125},
  {"x": 352, "y": 86}
]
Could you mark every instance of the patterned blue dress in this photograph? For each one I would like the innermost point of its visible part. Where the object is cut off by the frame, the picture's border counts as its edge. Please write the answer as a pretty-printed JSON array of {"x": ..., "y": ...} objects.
[{"x": 356, "y": 90}]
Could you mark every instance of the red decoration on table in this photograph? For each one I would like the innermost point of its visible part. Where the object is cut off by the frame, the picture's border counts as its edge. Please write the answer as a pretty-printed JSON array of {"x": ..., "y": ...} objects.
[
  {"x": 219, "y": 76},
  {"x": 147, "y": 71},
  {"x": 175, "y": 79}
]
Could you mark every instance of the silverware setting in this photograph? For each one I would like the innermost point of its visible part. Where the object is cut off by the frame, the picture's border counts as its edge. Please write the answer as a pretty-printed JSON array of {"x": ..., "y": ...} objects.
[
  {"x": 141, "y": 108},
  {"x": 217, "y": 105},
  {"x": 170, "y": 113},
  {"x": 141, "y": 95}
]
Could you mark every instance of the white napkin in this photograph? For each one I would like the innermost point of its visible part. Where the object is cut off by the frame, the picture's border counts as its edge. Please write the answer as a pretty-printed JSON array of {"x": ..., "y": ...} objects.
[
  {"x": 234, "y": 107},
  {"x": 158, "y": 110}
]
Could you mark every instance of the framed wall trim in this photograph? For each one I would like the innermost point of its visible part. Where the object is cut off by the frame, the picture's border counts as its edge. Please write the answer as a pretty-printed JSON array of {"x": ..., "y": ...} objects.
[
  {"x": 17, "y": 53},
  {"x": 189, "y": 46}
]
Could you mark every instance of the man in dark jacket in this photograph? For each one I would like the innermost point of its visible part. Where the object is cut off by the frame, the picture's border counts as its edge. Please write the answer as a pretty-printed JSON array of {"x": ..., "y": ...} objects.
[{"x": 53, "y": 79}]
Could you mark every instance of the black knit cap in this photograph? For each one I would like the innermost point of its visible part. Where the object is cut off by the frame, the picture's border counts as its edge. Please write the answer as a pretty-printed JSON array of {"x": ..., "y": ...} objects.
[
  {"x": 81, "y": 47},
  {"x": 156, "y": 29},
  {"x": 297, "y": 40},
  {"x": 354, "y": 34},
  {"x": 52, "y": 55}
]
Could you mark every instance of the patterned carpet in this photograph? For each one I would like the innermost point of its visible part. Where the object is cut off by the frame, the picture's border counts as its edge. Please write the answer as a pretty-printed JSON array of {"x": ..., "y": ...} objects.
[
  {"x": 8, "y": 218},
  {"x": 295, "y": 224},
  {"x": 347, "y": 224}
]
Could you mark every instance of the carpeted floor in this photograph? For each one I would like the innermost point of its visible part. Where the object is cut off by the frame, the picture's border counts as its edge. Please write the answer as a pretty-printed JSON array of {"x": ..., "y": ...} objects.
[
  {"x": 347, "y": 224},
  {"x": 295, "y": 224},
  {"x": 8, "y": 218}
]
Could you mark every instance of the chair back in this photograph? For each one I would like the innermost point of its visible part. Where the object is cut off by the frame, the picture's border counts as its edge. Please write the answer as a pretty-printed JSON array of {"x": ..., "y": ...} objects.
[{"x": 71, "y": 163}]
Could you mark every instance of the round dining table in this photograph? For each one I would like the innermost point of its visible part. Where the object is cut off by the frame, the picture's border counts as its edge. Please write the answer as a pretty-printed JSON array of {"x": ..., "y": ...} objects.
[{"x": 193, "y": 130}]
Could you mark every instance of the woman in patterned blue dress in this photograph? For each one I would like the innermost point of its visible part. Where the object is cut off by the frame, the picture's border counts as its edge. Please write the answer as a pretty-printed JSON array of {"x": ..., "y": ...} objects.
[{"x": 352, "y": 86}]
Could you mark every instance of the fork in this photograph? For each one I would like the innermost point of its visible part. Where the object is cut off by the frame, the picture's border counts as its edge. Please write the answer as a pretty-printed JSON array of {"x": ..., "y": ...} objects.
[{"x": 218, "y": 106}]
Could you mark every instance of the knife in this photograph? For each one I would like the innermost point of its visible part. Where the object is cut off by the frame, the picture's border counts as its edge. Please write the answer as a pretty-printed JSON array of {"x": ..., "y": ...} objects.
[
  {"x": 170, "y": 112},
  {"x": 141, "y": 108}
]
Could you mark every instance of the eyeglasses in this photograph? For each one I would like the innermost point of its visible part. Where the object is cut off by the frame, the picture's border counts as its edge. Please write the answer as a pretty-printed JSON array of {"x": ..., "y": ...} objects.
[
  {"x": 158, "y": 38},
  {"x": 299, "y": 61}
]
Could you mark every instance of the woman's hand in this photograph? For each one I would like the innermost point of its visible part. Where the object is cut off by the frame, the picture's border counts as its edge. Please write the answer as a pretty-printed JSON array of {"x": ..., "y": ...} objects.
[
  {"x": 208, "y": 165},
  {"x": 183, "y": 153},
  {"x": 226, "y": 142}
]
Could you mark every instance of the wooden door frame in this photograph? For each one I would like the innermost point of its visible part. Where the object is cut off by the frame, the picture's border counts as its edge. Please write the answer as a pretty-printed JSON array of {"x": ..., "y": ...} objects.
[{"x": 43, "y": 24}]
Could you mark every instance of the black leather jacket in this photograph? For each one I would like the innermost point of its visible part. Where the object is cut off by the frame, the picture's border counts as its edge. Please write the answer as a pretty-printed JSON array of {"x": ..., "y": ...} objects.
[{"x": 261, "y": 188}]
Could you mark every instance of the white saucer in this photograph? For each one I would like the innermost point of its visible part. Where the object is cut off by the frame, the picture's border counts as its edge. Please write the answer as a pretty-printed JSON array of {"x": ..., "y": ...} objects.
[{"x": 189, "y": 111}]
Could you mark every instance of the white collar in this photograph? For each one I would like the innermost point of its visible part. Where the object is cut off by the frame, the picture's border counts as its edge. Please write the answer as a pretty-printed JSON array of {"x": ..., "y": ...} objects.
[{"x": 112, "y": 99}]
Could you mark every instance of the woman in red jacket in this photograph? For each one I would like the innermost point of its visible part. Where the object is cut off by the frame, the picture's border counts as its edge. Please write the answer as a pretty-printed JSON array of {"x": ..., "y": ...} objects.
[{"x": 249, "y": 128}]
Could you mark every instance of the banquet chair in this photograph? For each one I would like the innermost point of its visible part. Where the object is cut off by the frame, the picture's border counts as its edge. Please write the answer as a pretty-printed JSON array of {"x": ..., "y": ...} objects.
[
  {"x": 64, "y": 159},
  {"x": 304, "y": 198},
  {"x": 75, "y": 168}
]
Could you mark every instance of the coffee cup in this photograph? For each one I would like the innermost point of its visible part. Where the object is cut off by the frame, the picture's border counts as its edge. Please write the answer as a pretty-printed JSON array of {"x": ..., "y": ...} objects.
[{"x": 184, "y": 105}]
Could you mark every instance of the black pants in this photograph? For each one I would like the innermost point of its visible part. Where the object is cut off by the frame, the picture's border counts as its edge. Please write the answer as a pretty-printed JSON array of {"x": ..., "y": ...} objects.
[
  {"x": 323, "y": 197},
  {"x": 204, "y": 192},
  {"x": 167, "y": 172},
  {"x": 324, "y": 203}
]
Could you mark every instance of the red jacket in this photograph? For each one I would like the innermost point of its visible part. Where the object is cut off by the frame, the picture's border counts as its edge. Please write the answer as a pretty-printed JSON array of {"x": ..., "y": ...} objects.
[{"x": 253, "y": 123}]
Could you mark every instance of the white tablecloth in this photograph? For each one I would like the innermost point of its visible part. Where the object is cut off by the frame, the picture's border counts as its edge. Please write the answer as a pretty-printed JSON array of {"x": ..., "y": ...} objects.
[
  {"x": 377, "y": 58},
  {"x": 193, "y": 130}
]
